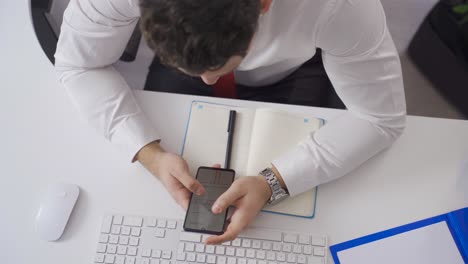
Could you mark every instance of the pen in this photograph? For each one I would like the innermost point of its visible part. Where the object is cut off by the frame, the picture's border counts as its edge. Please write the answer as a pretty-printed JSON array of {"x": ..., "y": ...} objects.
[{"x": 230, "y": 130}]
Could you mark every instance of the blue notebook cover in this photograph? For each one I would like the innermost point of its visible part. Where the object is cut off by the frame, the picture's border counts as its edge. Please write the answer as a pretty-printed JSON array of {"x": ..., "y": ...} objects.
[
  {"x": 457, "y": 222},
  {"x": 183, "y": 147}
]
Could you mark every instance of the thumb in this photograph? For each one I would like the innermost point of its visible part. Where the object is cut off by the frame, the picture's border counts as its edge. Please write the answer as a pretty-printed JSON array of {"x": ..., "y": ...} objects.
[
  {"x": 189, "y": 182},
  {"x": 226, "y": 199}
]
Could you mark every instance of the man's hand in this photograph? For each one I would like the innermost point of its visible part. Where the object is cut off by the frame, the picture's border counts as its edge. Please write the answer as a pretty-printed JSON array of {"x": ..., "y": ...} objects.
[
  {"x": 248, "y": 195},
  {"x": 172, "y": 170}
]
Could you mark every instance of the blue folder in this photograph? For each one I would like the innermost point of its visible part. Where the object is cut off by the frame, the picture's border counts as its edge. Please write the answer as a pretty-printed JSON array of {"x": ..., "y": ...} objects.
[{"x": 457, "y": 222}]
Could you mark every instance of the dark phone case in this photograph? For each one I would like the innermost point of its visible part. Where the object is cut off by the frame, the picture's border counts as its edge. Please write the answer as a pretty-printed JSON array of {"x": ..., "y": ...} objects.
[{"x": 225, "y": 213}]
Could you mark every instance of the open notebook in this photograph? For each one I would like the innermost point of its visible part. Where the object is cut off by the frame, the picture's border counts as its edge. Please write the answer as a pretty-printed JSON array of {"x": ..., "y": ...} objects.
[{"x": 260, "y": 136}]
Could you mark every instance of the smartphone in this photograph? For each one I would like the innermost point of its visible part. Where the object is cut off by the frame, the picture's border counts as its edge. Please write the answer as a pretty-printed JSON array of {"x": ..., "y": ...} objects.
[{"x": 199, "y": 217}]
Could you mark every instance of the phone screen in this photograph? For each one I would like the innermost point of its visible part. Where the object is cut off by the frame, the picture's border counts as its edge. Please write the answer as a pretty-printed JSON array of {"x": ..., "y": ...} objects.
[{"x": 199, "y": 217}]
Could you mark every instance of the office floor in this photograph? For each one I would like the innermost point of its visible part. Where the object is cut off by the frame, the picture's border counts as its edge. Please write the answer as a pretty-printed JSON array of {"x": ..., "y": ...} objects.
[{"x": 404, "y": 18}]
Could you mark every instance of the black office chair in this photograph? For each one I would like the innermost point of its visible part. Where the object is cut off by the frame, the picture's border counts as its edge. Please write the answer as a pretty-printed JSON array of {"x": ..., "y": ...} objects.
[{"x": 48, "y": 30}]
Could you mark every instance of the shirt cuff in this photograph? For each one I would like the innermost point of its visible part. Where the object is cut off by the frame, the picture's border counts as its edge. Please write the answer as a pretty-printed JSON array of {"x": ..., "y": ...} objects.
[
  {"x": 134, "y": 133},
  {"x": 299, "y": 172}
]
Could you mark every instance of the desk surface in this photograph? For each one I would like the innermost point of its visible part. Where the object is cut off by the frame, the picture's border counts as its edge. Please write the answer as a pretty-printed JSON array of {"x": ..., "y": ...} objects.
[{"x": 44, "y": 141}]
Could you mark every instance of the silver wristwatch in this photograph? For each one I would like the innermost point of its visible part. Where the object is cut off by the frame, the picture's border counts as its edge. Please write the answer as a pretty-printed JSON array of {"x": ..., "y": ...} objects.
[{"x": 278, "y": 194}]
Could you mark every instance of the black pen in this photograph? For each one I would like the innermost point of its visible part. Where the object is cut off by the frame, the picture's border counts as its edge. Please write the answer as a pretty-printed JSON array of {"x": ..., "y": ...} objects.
[{"x": 230, "y": 130}]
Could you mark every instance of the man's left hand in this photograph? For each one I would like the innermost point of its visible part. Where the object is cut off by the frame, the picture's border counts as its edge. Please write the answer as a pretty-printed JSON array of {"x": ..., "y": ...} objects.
[{"x": 248, "y": 195}]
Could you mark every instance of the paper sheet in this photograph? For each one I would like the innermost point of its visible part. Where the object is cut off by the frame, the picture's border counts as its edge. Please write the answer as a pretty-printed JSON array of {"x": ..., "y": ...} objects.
[{"x": 432, "y": 244}]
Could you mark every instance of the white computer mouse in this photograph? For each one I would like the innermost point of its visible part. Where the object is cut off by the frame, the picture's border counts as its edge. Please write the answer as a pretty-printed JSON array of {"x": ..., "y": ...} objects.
[{"x": 55, "y": 209}]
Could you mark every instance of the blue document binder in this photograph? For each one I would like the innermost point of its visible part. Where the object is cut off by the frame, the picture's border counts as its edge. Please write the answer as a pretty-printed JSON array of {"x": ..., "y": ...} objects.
[{"x": 457, "y": 223}]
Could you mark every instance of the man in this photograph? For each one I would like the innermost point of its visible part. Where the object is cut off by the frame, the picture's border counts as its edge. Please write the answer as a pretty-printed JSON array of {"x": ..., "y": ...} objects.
[{"x": 265, "y": 42}]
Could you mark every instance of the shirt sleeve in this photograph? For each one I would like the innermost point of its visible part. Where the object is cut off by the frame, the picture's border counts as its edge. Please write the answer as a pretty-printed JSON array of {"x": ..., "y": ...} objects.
[
  {"x": 362, "y": 63},
  {"x": 93, "y": 36}
]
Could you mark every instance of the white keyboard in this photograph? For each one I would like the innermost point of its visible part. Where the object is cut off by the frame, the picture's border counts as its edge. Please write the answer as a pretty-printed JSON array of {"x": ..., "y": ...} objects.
[{"x": 151, "y": 240}]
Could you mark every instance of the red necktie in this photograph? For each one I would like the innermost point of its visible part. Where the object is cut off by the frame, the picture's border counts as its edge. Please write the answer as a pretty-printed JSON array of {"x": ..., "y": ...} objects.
[{"x": 225, "y": 86}]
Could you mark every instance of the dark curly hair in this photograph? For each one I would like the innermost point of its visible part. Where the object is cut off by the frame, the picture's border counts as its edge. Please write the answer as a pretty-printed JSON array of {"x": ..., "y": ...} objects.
[{"x": 198, "y": 35}]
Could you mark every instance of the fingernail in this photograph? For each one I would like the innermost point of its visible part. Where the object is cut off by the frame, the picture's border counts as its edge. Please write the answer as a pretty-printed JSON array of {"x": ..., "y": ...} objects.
[
  {"x": 216, "y": 209},
  {"x": 199, "y": 191}
]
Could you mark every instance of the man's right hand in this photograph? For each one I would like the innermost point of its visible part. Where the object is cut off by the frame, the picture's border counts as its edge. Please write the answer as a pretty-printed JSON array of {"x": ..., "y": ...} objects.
[{"x": 173, "y": 172}]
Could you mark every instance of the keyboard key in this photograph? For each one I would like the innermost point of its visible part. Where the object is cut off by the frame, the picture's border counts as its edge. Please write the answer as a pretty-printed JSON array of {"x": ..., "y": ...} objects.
[
  {"x": 210, "y": 249},
  {"x": 297, "y": 249},
  {"x": 220, "y": 250},
  {"x": 318, "y": 241},
  {"x": 230, "y": 251},
  {"x": 227, "y": 243},
  {"x": 112, "y": 249},
  {"x": 190, "y": 247},
  {"x": 201, "y": 258},
  {"x": 106, "y": 224},
  {"x": 161, "y": 223},
  {"x": 133, "y": 221},
  {"x": 301, "y": 259},
  {"x": 307, "y": 250},
  {"x": 315, "y": 260},
  {"x": 231, "y": 260},
  {"x": 171, "y": 224},
  {"x": 117, "y": 220},
  {"x": 261, "y": 262},
  {"x": 132, "y": 251},
  {"x": 151, "y": 221},
  {"x": 125, "y": 230},
  {"x": 277, "y": 246},
  {"x": 146, "y": 253},
  {"x": 281, "y": 257},
  {"x": 123, "y": 240},
  {"x": 319, "y": 251},
  {"x": 211, "y": 259},
  {"x": 166, "y": 254},
  {"x": 190, "y": 237},
  {"x": 250, "y": 253},
  {"x": 180, "y": 256},
  {"x": 242, "y": 261},
  {"x": 304, "y": 239},
  {"x": 290, "y": 238},
  {"x": 113, "y": 239},
  {"x": 155, "y": 261},
  {"x": 134, "y": 241},
  {"x": 101, "y": 248},
  {"x": 247, "y": 243},
  {"x": 160, "y": 232},
  {"x": 119, "y": 260},
  {"x": 236, "y": 242},
  {"x": 129, "y": 260},
  {"x": 260, "y": 254},
  {"x": 240, "y": 252},
  {"x": 164, "y": 261},
  {"x": 291, "y": 258},
  {"x": 103, "y": 238},
  {"x": 251, "y": 261},
  {"x": 136, "y": 231},
  {"x": 156, "y": 253},
  {"x": 109, "y": 259},
  {"x": 99, "y": 258},
  {"x": 191, "y": 257},
  {"x": 220, "y": 260},
  {"x": 121, "y": 250},
  {"x": 267, "y": 245},
  {"x": 271, "y": 255},
  {"x": 256, "y": 244},
  {"x": 287, "y": 247},
  {"x": 200, "y": 248},
  {"x": 142, "y": 261}
]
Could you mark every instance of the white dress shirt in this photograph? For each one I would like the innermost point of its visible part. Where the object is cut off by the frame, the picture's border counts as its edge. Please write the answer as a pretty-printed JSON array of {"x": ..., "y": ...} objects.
[{"x": 358, "y": 54}]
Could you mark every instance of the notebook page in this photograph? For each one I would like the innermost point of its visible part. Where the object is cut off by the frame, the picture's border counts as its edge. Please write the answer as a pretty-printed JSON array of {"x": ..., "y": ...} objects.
[
  {"x": 206, "y": 139},
  {"x": 431, "y": 244},
  {"x": 274, "y": 133}
]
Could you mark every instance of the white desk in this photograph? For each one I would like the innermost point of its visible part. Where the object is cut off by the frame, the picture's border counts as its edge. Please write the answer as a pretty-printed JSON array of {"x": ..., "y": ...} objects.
[{"x": 42, "y": 142}]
